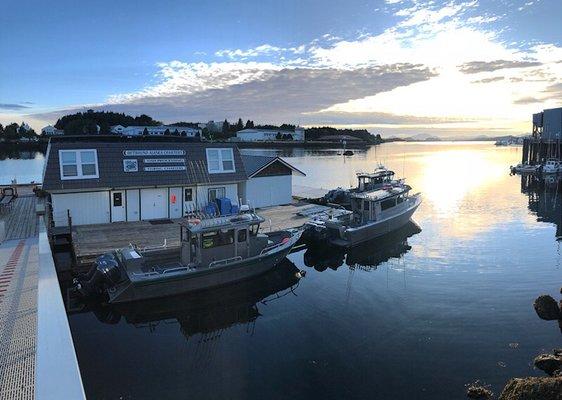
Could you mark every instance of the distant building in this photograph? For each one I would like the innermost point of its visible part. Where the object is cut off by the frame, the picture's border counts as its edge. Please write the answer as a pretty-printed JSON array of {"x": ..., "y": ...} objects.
[
  {"x": 547, "y": 125},
  {"x": 25, "y": 126},
  {"x": 155, "y": 130},
  {"x": 51, "y": 131},
  {"x": 265, "y": 135},
  {"x": 213, "y": 126}
]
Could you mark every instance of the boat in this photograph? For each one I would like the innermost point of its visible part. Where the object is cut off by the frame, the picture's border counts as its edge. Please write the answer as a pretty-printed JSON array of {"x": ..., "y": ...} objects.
[
  {"x": 374, "y": 213},
  {"x": 348, "y": 153},
  {"x": 365, "y": 181},
  {"x": 213, "y": 252},
  {"x": 525, "y": 168},
  {"x": 552, "y": 166}
]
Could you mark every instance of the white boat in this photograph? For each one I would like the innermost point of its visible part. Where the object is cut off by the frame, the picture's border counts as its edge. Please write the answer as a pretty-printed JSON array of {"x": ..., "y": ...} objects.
[
  {"x": 552, "y": 166},
  {"x": 374, "y": 213},
  {"x": 525, "y": 168}
]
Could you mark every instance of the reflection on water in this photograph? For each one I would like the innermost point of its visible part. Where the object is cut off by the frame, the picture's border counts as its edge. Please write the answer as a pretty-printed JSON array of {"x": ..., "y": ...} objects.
[
  {"x": 366, "y": 256},
  {"x": 438, "y": 302},
  {"x": 207, "y": 313},
  {"x": 22, "y": 165},
  {"x": 545, "y": 199}
]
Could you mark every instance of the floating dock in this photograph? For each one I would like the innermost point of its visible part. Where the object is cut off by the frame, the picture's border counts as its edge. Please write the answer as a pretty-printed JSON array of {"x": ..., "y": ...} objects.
[{"x": 91, "y": 241}]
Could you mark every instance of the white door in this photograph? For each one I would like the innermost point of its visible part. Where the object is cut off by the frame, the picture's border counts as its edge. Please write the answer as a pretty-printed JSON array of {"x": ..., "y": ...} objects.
[
  {"x": 189, "y": 201},
  {"x": 154, "y": 203},
  {"x": 133, "y": 203},
  {"x": 118, "y": 208},
  {"x": 84, "y": 208},
  {"x": 176, "y": 206}
]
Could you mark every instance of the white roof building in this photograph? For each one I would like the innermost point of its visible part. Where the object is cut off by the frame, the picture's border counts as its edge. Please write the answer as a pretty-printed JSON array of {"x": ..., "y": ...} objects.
[
  {"x": 155, "y": 130},
  {"x": 50, "y": 130},
  {"x": 257, "y": 134}
]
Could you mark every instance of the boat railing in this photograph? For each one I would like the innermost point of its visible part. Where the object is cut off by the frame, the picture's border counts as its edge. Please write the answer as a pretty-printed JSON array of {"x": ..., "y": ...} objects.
[
  {"x": 147, "y": 249},
  {"x": 267, "y": 249},
  {"x": 225, "y": 261}
]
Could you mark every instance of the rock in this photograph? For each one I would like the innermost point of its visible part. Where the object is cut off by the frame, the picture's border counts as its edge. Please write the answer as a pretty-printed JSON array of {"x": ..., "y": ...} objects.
[
  {"x": 557, "y": 352},
  {"x": 476, "y": 391},
  {"x": 548, "y": 363},
  {"x": 532, "y": 389},
  {"x": 547, "y": 308}
]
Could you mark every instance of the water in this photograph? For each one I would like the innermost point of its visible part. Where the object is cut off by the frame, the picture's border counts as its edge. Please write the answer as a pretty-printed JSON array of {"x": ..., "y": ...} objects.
[
  {"x": 416, "y": 315},
  {"x": 23, "y": 166}
]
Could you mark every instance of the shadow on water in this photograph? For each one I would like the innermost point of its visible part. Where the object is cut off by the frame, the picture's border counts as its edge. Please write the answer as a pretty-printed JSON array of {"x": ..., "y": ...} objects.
[
  {"x": 545, "y": 199},
  {"x": 209, "y": 312},
  {"x": 367, "y": 256}
]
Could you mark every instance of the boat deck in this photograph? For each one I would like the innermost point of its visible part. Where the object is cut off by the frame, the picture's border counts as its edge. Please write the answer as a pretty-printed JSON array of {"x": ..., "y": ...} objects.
[{"x": 20, "y": 220}]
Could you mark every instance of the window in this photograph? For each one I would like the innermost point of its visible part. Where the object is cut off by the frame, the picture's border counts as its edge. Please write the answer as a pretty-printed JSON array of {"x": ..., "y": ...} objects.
[
  {"x": 78, "y": 164},
  {"x": 366, "y": 205},
  {"x": 188, "y": 194},
  {"x": 218, "y": 238},
  {"x": 117, "y": 199},
  {"x": 388, "y": 204},
  {"x": 242, "y": 235},
  {"x": 216, "y": 193},
  {"x": 220, "y": 160}
]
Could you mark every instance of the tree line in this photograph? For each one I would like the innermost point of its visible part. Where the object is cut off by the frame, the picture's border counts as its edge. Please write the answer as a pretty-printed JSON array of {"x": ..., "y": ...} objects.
[
  {"x": 87, "y": 123},
  {"x": 14, "y": 131}
]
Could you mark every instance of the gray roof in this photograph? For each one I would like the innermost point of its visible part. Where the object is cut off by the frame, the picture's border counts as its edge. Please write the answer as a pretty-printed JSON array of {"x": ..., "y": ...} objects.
[
  {"x": 254, "y": 164},
  {"x": 111, "y": 169}
]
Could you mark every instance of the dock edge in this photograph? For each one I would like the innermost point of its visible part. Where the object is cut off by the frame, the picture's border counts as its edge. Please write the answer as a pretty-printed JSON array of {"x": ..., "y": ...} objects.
[{"x": 57, "y": 374}]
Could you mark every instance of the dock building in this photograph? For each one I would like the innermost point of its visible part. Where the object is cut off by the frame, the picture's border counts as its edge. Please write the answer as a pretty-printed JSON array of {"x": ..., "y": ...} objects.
[
  {"x": 267, "y": 135},
  {"x": 99, "y": 180},
  {"x": 546, "y": 138}
]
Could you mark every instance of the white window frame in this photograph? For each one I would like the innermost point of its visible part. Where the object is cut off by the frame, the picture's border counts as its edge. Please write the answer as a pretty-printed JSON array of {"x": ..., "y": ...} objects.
[
  {"x": 221, "y": 169},
  {"x": 79, "y": 174},
  {"x": 216, "y": 189}
]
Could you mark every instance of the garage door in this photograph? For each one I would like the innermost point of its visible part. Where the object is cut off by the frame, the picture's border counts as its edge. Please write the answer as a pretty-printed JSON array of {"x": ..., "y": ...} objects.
[
  {"x": 154, "y": 203},
  {"x": 269, "y": 191},
  {"x": 85, "y": 208}
]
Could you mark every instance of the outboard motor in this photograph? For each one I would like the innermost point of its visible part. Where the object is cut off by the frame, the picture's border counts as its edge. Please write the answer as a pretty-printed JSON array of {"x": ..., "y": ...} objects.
[{"x": 104, "y": 274}]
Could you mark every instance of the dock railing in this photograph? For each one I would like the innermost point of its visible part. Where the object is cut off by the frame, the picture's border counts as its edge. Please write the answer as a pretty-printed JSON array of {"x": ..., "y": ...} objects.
[{"x": 57, "y": 375}]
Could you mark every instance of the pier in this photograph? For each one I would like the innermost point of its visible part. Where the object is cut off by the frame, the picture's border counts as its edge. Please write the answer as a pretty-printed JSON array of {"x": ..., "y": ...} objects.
[{"x": 37, "y": 358}]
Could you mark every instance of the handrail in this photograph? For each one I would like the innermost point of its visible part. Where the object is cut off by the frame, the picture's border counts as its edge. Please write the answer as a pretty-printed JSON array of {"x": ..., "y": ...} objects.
[
  {"x": 267, "y": 249},
  {"x": 225, "y": 261}
]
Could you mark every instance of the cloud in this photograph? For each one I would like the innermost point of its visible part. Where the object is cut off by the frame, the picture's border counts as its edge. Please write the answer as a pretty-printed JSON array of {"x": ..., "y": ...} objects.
[
  {"x": 489, "y": 80},
  {"x": 12, "y": 106},
  {"x": 264, "y": 49},
  {"x": 475, "y": 67},
  {"x": 527, "y": 100}
]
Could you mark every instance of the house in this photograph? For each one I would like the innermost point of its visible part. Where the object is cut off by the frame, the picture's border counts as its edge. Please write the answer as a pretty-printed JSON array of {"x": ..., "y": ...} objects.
[
  {"x": 51, "y": 131},
  {"x": 264, "y": 135},
  {"x": 159, "y": 130},
  {"x": 270, "y": 181},
  {"x": 101, "y": 180}
]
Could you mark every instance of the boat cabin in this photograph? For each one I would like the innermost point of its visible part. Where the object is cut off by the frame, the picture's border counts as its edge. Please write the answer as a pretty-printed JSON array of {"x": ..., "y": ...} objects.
[
  {"x": 373, "y": 205},
  {"x": 218, "y": 241},
  {"x": 371, "y": 180}
]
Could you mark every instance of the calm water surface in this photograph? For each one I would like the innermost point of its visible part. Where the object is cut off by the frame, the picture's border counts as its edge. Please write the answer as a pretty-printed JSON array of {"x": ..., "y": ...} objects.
[
  {"x": 23, "y": 166},
  {"x": 415, "y": 315}
]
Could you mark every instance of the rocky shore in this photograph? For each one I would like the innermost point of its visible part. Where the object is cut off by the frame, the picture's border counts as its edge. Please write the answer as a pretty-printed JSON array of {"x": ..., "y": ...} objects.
[{"x": 533, "y": 388}]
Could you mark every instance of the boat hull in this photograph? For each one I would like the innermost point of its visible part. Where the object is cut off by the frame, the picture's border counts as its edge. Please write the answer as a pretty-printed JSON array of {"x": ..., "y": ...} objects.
[
  {"x": 355, "y": 236},
  {"x": 199, "y": 280}
]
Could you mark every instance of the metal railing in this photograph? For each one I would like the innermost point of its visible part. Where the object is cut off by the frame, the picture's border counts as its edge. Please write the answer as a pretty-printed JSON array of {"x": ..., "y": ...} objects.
[{"x": 225, "y": 261}]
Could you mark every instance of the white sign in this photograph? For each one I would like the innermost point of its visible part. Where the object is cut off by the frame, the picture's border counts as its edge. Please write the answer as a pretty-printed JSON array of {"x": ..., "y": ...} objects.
[
  {"x": 130, "y": 165},
  {"x": 164, "y": 161},
  {"x": 170, "y": 168},
  {"x": 145, "y": 153}
]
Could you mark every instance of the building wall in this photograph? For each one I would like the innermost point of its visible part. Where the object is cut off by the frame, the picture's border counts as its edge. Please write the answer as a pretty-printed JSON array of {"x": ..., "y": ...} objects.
[
  {"x": 269, "y": 191},
  {"x": 88, "y": 208},
  {"x": 552, "y": 124}
]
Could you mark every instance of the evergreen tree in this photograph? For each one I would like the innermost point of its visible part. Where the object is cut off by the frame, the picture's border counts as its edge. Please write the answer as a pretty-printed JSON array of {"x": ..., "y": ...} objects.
[
  {"x": 1, "y": 131},
  {"x": 279, "y": 136},
  {"x": 11, "y": 131},
  {"x": 225, "y": 127},
  {"x": 167, "y": 132},
  {"x": 249, "y": 124},
  {"x": 239, "y": 125},
  {"x": 145, "y": 132}
]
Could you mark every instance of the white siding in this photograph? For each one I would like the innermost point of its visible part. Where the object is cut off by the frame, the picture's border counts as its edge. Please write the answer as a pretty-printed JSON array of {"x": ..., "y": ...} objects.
[
  {"x": 176, "y": 206},
  {"x": 154, "y": 203},
  {"x": 269, "y": 191},
  {"x": 133, "y": 212},
  {"x": 85, "y": 208},
  {"x": 231, "y": 191}
]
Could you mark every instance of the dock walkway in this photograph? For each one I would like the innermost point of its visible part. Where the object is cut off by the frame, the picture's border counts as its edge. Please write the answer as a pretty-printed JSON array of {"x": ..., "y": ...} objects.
[
  {"x": 18, "y": 317},
  {"x": 20, "y": 220}
]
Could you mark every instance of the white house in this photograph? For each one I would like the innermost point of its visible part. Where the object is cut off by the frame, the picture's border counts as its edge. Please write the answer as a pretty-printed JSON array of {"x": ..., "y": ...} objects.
[
  {"x": 270, "y": 181},
  {"x": 155, "y": 130},
  {"x": 51, "y": 131},
  {"x": 266, "y": 135},
  {"x": 104, "y": 180}
]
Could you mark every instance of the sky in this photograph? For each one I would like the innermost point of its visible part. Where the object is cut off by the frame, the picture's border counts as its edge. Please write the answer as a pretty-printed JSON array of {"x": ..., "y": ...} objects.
[{"x": 455, "y": 68}]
